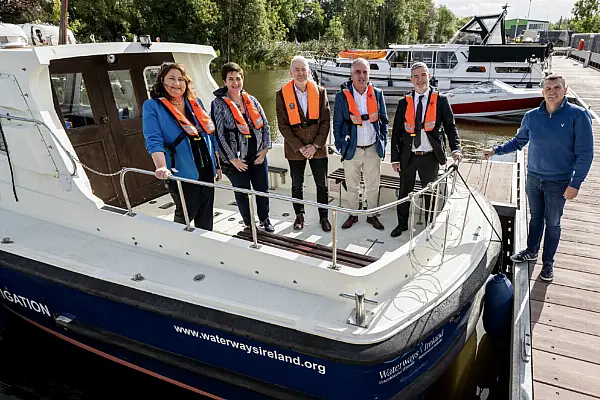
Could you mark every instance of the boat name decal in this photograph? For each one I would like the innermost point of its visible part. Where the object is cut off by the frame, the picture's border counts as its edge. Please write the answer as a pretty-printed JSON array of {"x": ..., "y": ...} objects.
[
  {"x": 408, "y": 361},
  {"x": 25, "y": 302},
  {"x": 249, "y": 349}
]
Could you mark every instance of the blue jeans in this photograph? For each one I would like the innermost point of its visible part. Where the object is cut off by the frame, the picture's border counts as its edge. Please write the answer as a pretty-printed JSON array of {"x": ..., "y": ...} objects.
[
  {"x": 546, "y": 204},
  {"x": 255, "y": 177}
]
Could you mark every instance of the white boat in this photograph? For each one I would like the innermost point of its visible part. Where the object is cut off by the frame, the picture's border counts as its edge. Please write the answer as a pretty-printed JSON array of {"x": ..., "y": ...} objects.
[
  {"x": 94, "y": 258},
  {"x": 493, "y": 101},
  {"x": 477, "y": 52}
]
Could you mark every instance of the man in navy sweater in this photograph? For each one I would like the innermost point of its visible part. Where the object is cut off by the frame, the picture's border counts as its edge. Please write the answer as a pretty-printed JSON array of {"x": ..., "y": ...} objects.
[{"x": 561, "y": 150}]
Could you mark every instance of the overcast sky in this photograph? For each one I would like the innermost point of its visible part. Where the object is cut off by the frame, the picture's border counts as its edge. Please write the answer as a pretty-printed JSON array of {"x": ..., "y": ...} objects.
[{"x": 549, "y": 10}]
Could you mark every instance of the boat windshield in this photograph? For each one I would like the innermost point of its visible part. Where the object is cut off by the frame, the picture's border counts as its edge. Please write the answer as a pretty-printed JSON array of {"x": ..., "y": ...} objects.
[{"x": 482, "y": 87}]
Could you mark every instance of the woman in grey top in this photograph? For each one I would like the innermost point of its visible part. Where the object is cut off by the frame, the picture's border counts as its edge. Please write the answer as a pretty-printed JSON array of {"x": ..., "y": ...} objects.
[{"x": 244, "y": 139}]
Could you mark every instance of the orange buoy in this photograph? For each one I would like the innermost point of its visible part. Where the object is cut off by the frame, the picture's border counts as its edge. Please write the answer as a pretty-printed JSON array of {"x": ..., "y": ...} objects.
[{"x": 581, "y": 43}]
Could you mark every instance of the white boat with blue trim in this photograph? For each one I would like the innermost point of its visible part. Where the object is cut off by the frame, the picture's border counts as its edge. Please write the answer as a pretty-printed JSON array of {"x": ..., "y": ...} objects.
[{"x": 90, "y": 253}]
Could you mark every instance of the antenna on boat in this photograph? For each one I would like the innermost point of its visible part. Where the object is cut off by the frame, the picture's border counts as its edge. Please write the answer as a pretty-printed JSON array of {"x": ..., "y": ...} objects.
[{"x": 64, "y": 16}]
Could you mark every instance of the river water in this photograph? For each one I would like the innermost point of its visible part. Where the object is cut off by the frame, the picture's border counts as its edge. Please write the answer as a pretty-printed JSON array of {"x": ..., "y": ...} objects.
[{"x": 35, "y": 365}]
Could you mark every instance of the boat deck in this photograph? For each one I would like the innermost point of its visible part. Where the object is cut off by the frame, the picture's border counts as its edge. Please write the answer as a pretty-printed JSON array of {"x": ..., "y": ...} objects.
[
  {"x": 565, "y": 314},
  {"x": 492, "y": 179}
]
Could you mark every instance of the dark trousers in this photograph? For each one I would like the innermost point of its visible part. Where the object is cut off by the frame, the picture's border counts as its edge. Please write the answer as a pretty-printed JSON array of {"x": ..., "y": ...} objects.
[
  {"x": 318, "y": 166},
  {"x": 198, "y": 199},
  {"x": 427, "y": 165},
  {"x": 258, "y": 177},
  {"x": 546, "y": 204}
]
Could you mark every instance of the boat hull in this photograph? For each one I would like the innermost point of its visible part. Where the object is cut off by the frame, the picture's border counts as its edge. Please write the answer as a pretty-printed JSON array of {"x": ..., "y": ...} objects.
[{"x": 147, "y": 333}]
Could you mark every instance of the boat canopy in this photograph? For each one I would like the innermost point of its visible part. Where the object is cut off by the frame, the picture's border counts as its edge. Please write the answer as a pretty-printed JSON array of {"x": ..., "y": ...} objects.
[{"x": 12, "y": 36}]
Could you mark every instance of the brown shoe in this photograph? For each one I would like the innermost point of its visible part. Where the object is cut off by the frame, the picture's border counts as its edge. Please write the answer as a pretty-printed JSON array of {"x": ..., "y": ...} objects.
[
  {"x": 375, "y": 222},
  {"x": 299, "y": 222},
  {"x": 352, "y": 219},
  {"x": 325, "y": 225}
]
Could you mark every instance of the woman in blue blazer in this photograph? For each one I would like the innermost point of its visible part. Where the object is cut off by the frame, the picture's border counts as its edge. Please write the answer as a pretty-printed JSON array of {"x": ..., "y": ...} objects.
[{"x": 180, "y": 138}]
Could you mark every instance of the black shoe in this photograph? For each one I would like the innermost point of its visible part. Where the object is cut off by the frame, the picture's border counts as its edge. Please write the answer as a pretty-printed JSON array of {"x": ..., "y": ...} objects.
[
  {"x": 398, "y": 230},
  {"x": 299, "y": 222},
  {"x": 325, "y": 224},
  {"x": 352, "y": 219},
  {"x": 266, "y": 225},
  {"x": 375, "y": 222}
]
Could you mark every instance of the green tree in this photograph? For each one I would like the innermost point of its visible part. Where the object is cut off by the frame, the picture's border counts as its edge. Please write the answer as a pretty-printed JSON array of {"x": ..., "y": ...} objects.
[
  {"x": 311, "y": 22},
  {"x": 446, "y": 25},
  {"x": 335, "y": 29},
  {"x": 22, "y": 11},
  {"x": 586, "y": 16}
]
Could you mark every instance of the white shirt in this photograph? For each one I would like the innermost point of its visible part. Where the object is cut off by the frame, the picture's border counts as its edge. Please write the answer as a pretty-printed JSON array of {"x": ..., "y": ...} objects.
[
  {"x": 302, "y": 99},
  {"x": 366, "y": 133},
  {"x": 425, "y": 143}
]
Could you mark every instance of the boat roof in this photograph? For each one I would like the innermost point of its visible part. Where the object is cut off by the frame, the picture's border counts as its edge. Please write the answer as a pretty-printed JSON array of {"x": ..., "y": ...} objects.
[{"x": 45, "y": 54}]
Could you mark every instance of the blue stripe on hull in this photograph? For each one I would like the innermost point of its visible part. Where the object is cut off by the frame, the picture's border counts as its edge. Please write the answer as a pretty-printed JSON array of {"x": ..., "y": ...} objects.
[{"x": 321, "y": 378}]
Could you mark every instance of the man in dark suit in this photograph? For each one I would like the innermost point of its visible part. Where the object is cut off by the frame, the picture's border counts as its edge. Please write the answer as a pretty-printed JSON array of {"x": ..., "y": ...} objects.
[{"x": 422, "y": 119}]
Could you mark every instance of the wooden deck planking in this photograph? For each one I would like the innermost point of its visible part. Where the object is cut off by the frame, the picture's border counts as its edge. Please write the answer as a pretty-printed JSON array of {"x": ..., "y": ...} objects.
[
  {"x": 492, "y": 179},
  {"x": 547, "y": 392},
  {"x": 565, "y": 372},
  {"x": 498, "y": 186},
  {"x": 575, "y": 263},
  {"x": 565, "y": 314},
  {"x": 564, "y": 317},
  {"x": 567, "y": 343}
]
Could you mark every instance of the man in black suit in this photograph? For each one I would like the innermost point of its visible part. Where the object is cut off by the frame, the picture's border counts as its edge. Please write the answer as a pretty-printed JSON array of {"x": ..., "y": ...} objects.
[{"x": 422, "y": 119}]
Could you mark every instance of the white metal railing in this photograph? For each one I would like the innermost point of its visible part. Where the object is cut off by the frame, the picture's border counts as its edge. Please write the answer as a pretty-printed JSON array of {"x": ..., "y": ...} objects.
[
  {"x": 437, "y": 190},
  {"x": 432, "y": 188}
]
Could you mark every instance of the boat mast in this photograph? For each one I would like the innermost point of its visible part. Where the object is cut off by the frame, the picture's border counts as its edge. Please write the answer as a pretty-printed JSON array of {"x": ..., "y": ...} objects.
[{"x": 62, "y": 30}]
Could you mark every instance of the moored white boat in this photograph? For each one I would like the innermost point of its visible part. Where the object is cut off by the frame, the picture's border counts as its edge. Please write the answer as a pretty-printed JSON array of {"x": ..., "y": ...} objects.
[
  {"x": 227, "y": 313},
  {"x": 478, "y": 52}
]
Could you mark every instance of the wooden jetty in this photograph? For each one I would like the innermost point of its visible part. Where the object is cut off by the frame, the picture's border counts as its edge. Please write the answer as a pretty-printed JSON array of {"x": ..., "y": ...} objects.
[{"x": 561, "y": 358}]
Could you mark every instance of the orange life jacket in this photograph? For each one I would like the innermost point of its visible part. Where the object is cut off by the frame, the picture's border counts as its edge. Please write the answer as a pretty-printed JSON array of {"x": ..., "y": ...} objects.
[
  {"x": 186, "y": 125},
  {"x": 252, "y": 111},
  {"x": 430, "y": 114},
  {"x": 292, "y": 107},
  {"x": 372, "y": 108}
]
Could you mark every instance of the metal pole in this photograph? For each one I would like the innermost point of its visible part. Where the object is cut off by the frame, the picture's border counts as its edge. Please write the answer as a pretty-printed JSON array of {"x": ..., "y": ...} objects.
[
  {"x": 334, "y": 240},
  {"x": 184, "y": 206},
  {"x": 465, "y": 219},
  {"x": 64, "y": 16},
  {"x": 359, "y": 297},
  {"x": 411, "y": 216},
  {"x": 445, "y": 236},
  {"x": 125, "y": 194},
  {"x": 254, "y": 244}
]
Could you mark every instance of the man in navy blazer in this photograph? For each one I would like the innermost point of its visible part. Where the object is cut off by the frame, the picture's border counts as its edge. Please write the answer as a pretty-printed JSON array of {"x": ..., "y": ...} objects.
[{"x": 360, "y": 129}]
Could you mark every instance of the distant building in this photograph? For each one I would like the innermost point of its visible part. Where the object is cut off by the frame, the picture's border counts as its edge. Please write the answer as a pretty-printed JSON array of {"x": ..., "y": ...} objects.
[{"x": 515, "y": 27}]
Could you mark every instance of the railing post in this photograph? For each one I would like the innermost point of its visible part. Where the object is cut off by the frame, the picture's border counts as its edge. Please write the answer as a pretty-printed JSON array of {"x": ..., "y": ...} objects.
[
  {"x": 184, "y": 206},
  {"x": 445, "y": 235},
  {"x": 254, "y": 244},
  {"x": 466, "y": 213},
  {"x": 434, "y": 202},
  {"x": 125, "y": 194},
  {"x": 454, "y": 179},
  {"x": 411, "y": 216},
  {"x": 334, "y": 240}
]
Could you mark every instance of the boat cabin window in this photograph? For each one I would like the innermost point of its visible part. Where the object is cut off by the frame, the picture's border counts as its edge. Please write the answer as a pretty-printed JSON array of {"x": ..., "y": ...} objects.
[
  {"x": 150, "y": 74},
  {"x": 513, "y": 70},
  {"x": 423, "y": 56},
  {"x": 446, "y": 60},
  {"x": 374, "y": 66},
  {"x": 344, "y": 65},
  {"x": 72, "y": 97},
  {"x": 476, "y": 68},
  {"x": 122, "y": 90},
  {"x": 2, "y": 145},
  {"x": 400, "y": 59}
]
